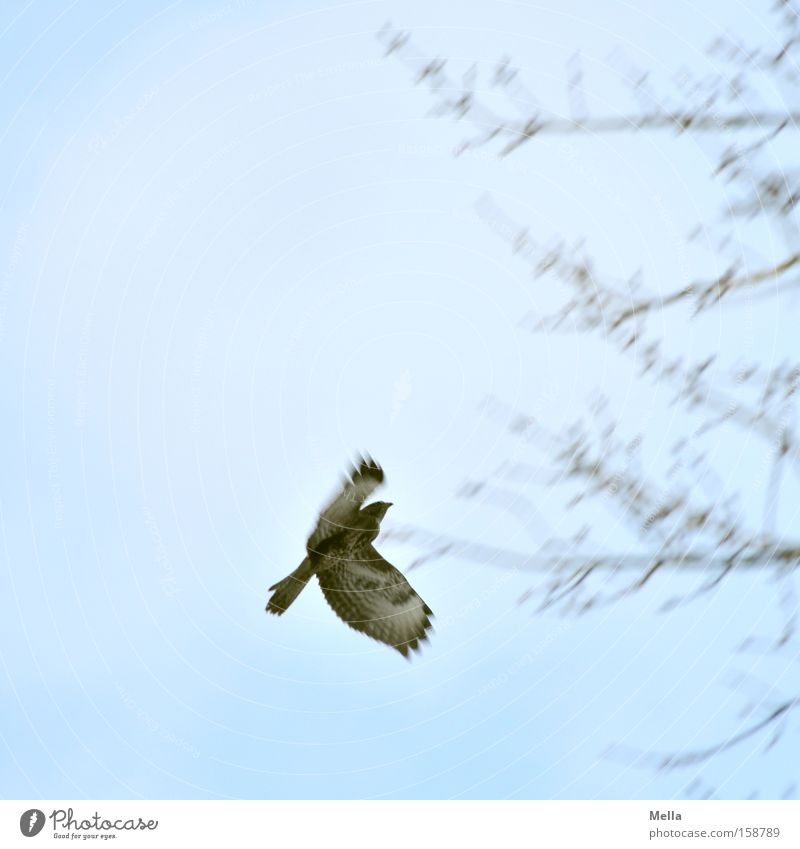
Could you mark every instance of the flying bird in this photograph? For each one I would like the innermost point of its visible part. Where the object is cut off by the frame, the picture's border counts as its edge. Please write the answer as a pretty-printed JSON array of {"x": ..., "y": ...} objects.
[{"x": 362, "y": 588}]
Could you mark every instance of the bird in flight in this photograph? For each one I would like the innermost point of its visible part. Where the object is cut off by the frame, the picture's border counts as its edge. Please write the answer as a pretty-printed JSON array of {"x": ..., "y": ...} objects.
[{"x": 362, "y": 588}]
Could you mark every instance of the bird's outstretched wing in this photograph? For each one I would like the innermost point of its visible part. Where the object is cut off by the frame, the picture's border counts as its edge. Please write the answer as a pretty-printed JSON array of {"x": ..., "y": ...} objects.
[
  {"x": 343, "y": 509},
  {"x": 373, "y": 597}
]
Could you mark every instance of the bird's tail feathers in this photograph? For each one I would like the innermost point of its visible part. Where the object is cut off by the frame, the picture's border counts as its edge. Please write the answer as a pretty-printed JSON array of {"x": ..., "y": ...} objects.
[{"x": 287, "y": 590}]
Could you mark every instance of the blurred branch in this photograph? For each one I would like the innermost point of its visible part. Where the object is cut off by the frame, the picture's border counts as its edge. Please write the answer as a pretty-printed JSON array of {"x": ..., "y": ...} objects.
[
  {"x": 437, "y": 546},
  {"x": 774, "y": 720},
  {"x": 460, "y": 100},
  {"x": 678, "y": 525},
  {"x": 603, "y": 305}
]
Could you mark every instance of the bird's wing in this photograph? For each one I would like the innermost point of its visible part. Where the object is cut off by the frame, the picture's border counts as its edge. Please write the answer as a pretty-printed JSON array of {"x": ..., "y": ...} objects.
[
  {"x": 373, "y": 597},
  {"x": 342, "y": 511}
]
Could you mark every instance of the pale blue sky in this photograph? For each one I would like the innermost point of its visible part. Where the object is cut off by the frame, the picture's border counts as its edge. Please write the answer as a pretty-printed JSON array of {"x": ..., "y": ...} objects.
[{"x": 236, "y": 249}]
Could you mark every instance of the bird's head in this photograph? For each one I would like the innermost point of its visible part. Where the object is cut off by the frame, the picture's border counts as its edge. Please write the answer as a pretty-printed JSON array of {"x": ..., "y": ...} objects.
[{"x": 376, "y": 511}]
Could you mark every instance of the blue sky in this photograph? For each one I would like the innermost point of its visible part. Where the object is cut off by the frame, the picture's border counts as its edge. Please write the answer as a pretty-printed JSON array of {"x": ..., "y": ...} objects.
[{"x": 236, "y": 249}]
